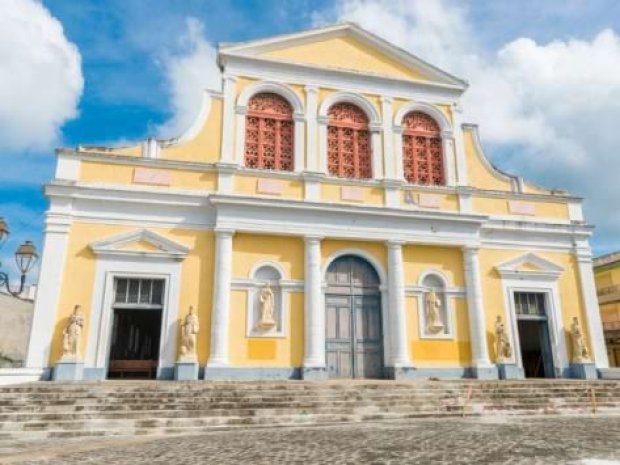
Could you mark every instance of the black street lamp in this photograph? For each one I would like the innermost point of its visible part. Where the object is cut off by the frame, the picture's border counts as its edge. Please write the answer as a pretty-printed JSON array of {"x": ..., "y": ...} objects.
[{"x": 25, "y": 258}]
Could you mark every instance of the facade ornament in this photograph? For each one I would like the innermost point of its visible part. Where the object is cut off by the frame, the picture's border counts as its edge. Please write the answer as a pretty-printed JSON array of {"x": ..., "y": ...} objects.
[
  {"x": 434, "y": 323},
  {"x": 72, "y": 335},
  {"x": 581, "y": 353},
  {"x": 267, "y": 307},
  {"x": 503, "y": 348},
  {"x": 189, "y": 332}
]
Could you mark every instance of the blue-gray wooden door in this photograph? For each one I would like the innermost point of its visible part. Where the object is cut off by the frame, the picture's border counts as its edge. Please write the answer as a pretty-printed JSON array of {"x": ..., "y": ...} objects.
[{"x": 354, "y": 336}]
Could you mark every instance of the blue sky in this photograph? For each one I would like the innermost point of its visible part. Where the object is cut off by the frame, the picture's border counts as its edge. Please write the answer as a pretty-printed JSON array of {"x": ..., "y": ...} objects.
[{"x": 126, "y": 47}]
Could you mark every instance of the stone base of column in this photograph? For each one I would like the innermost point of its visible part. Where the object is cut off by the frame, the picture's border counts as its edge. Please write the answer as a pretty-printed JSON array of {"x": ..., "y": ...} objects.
[
  {"x": 484, "y": 372},
  {"x": 68, "y": 370},
  {"x": 609, "y": 373},
  {"x": 401, "y": 373},
  {"x": 314, "y": 373},
  {"x": 583, "y": 371},
  {"x": 186, "y": 370},
  {"x": 509, "y": 371}
]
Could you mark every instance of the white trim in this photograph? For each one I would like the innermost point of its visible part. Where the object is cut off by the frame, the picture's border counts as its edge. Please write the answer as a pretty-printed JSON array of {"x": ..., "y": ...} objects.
[
  {"x": 167, "y": 247},
  {"x": 10, "y": 376},
  {"x": 102, "y": 315},
  {"x": 350, "y": 97},
  {"x": 228, "y": 120},
  {"x": 67, "y": 167},
  {"x": 376, "y": 264},
  {"x": 312, "y": 157},
  {"x": 274, "y": 87},
  {"x": 423, "y": 107},
  {"x": 548, "y": 271},
  {"x": 553, "y": 308}
]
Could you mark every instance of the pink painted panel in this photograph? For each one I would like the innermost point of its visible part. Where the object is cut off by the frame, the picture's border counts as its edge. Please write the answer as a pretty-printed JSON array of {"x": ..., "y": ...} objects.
[
  {"x": 269, "y": 186},
  {"x": 352, "y": 194},
  {"x": 521, "y": 208},
  {"x": 154, "y": 177}
]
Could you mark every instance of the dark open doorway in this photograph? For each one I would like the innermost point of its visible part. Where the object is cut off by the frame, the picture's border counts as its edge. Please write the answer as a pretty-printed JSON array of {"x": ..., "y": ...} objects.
[
  {"x": 136, "y": 330},
  {"x": 535, "y": 349}
]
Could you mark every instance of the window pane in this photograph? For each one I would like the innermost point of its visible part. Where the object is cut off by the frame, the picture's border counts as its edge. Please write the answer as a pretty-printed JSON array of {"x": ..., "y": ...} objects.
[
  {"x": 158, "y": 290},
  {"x": 134, "y": 291},
  {"x": 121, "y": 291},
  {"x": 145, "y": 291}
]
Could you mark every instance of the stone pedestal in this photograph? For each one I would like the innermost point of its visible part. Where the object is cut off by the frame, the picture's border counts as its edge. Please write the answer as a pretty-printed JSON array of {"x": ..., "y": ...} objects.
[
  {"x": 484, "y": 372},
  {"x": 314, "y": 374},
  {"x": 583, "y": 371},
  {"x": 68, "y": 370},
  {"x": 509, "y": 371},
  {"x": 186, "y": 370}
]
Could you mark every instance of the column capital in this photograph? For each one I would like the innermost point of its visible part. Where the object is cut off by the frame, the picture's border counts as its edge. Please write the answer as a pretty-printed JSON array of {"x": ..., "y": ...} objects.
[
  {"x": 299, "y": 117},
  {"x": 230, "y": 78},
  {"x": 375, "y": 127},
  {"x": 311, "y": 89},
  {"x": 471, "y": 249},
  {"x": 224, "y": 232},
  {"x": 241, "y": 109},
  {"x": 385, "y": 99},
  {"x": 312, "y": 239},
  {"x": 322, "y": 120},
  {"x": 395, "y": 243}
]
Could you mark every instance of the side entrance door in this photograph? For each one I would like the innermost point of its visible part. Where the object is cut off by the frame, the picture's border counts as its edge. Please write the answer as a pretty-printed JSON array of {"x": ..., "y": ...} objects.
[{"x": 354, "y": 336}]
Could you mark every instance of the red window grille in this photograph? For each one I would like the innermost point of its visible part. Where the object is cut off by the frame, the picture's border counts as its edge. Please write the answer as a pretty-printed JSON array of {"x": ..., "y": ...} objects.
[
  {"x": 269, "y": 133},
  {"x": 422, "y": 150},
  {"x": 348, "y": 142}
]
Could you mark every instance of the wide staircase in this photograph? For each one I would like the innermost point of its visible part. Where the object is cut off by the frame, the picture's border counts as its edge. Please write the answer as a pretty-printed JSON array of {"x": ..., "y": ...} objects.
[{"x": 52, "y": 410}]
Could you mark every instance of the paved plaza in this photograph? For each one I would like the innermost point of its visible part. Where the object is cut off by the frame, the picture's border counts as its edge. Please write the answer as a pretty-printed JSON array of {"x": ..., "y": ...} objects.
[{"x": 502, "y": 440}]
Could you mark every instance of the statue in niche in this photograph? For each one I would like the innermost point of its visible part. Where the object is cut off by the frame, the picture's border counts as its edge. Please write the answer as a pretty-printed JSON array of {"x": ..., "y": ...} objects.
[
  {"x": 267, "y": 308},
  {"x": 72, "y": 335},
  {"x": 502, "y": 343},
  {"x": 580, "y": 350},
  {"x": 189, "y": 332},
  {"x": 434, "y": 323}
]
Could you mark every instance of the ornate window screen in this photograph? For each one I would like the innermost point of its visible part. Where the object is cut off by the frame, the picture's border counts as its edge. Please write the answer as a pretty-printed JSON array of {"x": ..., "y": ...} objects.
[
  {"x": 348, "y": 142},
  {"x": 269, "y": 133},
  {"x": 422, "y": 150}
]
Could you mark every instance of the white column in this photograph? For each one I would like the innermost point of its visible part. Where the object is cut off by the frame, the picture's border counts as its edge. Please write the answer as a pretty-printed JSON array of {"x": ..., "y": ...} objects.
[
  {"x": 376, "y": 151},
  {"x": 228, "y": 121},
  {"x": 396, "y": 296},
  {"x": 475, "y": 305},
  {"x": 299, "y": 145},
  {"x": 311, "y": 125},
  {"x": 322, "y": 159},
  {"x": 314, "y": 312},
  {"x": 50, "y": 284},
  {"x": 398, "y": 152},
  {"x": 459, "y": 146},
  {"x": 447, "y": 143},
  {"x": 590, "y": 303},
  {"x": 389, "y": 165},
  {"x": 220, "y": 318}
]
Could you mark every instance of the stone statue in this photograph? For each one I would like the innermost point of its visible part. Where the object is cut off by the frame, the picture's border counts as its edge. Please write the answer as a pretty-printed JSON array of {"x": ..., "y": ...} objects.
[
  {"x": 434, "y": 323},
  {"x": 189, "y": 331},
  {"x": 502, "y": 343},
  {"x": 72, "y": 335},
  {"x": 580, "y": 350},
  {"x": 267, "y": 307}
]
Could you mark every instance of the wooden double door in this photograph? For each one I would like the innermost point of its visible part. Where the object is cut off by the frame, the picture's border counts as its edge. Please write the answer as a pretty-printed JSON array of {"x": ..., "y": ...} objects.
[{"x": 354, "y": 333}]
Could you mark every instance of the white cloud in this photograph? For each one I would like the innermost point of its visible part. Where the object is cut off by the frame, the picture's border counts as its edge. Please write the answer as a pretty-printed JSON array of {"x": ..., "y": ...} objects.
[
  {"x": 40, "y": 76},
  {"x": 552, "y": 107},
  {"x": 188, "y": 73}
]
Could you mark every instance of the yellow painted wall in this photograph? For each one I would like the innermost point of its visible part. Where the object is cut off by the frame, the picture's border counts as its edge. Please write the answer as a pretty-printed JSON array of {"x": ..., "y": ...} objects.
[
  {"x": 499, "y": 206},
  {"x": 248, "y": 185},
  {"x": 345, "y": 53},
  {"x": 478, "y": 174},
  {"x": 206, "y": 146},
  {"x": 439, "y": 352},
  {"x": 331, "y": 192},
  {"x": 377, "y": 250},
  {"x": 113, "y": 173},
  {"x": 421, "y": 258},
  {"x": 79, "y": 275},
  {"x": 250, "y": 249},
  {"x": 266, "y": 352},
  {"x": 494, "y": 302}
]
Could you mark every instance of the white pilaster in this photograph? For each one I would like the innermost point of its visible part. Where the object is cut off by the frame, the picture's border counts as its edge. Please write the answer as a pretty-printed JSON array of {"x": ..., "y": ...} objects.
[
  {"x": 376, "y": 151},
  {"x": 399, "y": 171},
  {"x": 314, "y": 313},
  {"x": 312, "y": 108},
  {"x": 228, "y": 122},
  {"x": 389, "y": 165},
  {"x": 459, "y": 146},
  {"x": 299, "y": 143},
  {"x": 590, "y": 303},
  {"x": 51, "y": 274},
  {"x": 220, "y": 318},
  {"x": 475, "y": 305},
  {"x": 240, "y": 113},
  {"x": 447, "y": 143},
  {"x": 396, "y": 296},
  {"x": 322, "y": 161}
]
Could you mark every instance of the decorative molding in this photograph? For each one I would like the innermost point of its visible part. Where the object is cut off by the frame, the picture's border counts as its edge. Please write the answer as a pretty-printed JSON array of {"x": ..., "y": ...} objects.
[
  {"x": 166, "y": 247},
  {"x": 356, "y": 99},
  {"x": 547, "y": 270}
]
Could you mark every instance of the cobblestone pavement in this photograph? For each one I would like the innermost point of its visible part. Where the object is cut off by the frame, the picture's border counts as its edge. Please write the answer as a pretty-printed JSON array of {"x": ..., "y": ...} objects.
[{"x": 524, "y": 440}]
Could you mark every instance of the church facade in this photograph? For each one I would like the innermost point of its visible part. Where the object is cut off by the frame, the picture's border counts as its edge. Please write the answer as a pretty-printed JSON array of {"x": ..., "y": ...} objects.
[{"x": 327, "y": 215}]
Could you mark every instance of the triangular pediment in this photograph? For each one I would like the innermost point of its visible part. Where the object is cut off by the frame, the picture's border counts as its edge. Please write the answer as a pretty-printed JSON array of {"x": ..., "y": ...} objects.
[
  {"x": 142, "y": 243},
  {"x": 343, "y": 47},
  {"x": 529, "y": 266}
]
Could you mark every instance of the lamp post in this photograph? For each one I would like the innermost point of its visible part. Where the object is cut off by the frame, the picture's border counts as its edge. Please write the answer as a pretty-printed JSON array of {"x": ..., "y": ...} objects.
[{"x": 25, "y": 258}]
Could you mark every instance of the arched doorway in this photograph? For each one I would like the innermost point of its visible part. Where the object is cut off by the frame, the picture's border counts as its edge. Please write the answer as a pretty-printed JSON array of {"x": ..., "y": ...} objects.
[{"x": 354, "y": 334}]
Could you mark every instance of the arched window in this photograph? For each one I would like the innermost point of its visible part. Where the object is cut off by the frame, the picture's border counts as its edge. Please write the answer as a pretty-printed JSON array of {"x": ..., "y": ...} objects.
[
  {"x": 422, "y": 150},
  {"x": 269, "y": 133},
  {"x": 348, "y": 142}
]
